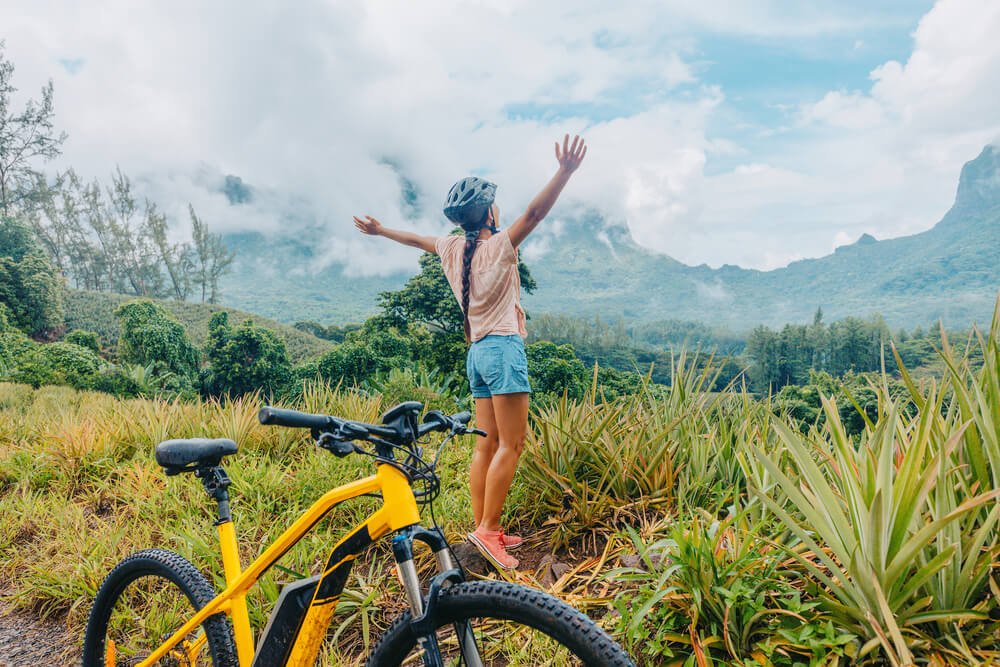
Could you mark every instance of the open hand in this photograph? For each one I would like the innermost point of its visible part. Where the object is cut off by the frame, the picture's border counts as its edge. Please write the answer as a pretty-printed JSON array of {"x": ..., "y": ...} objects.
[
  {"x": 368, "y": 225},
  {"x": 571, "y": 155}
]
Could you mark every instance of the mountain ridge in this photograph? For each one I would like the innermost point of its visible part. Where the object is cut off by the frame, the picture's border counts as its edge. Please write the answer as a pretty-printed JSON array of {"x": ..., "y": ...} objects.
[{"x": 949, "y": 272}]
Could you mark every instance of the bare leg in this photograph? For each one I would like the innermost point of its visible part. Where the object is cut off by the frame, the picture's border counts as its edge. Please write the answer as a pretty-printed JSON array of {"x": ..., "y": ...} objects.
[
  {"x": 511, "y": 415},
  {"x": 482, "y": 456}
]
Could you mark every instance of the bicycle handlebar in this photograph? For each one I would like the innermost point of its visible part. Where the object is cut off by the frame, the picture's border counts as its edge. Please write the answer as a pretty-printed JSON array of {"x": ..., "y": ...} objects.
[
  {"x": 435, "y": 421},
  {"x": 295, "y": 419}
]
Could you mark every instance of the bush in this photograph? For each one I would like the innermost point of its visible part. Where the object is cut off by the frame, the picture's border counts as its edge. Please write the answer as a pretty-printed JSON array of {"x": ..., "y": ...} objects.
[
  {"x": 555, "y": 369},
  {"x": 721, "y": 585},
  {"x": 803, "y": 404},
  {"x": 150, "y": 336},
  {"x": 364, "y": 354},
  {"x": 114, "y": 380},
  {"x": 37, "y": 364},
  {"x": 74, "y": 363},
  {"x": 87, "y": 339},
  {"x": 246, "y": 359}
]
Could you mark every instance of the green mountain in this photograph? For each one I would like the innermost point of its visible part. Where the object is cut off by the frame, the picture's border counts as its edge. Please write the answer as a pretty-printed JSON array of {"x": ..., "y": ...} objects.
[
  {"x": 94, "y": 311},
  {"x": 950, "y": 272}
]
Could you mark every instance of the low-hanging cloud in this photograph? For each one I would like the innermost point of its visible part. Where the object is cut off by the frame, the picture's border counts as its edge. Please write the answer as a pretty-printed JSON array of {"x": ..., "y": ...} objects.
[{"x": 322, "y": 106}]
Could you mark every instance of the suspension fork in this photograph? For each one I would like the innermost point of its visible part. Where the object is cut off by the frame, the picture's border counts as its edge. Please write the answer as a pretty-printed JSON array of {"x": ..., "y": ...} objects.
[{"x": 423, "y": 616}]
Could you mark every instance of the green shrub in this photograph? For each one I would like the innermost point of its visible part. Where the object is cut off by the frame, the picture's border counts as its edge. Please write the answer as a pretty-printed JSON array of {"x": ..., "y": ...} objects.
[
  {"x": 150, "y": 336},
  {"x": 87, "y": 339},
  {"x": 245, "y": 359},
  {"x": 75, "y": 364},
  {"x": 94, "y": 311},
  {"x": 555, "y": 369},
  {"x": 366, "y": 352}
]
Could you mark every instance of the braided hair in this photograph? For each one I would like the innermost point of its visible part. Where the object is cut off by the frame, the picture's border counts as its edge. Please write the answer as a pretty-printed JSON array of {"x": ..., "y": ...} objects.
[{"x": 471, "y": 241}]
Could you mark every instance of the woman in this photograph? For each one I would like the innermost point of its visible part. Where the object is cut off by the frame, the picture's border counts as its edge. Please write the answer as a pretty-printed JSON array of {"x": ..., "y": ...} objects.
[{"x": 482, "y": 271}]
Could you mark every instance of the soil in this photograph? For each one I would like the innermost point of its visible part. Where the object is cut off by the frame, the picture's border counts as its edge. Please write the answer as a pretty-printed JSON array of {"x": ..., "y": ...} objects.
[{"x": 27, "y": 641}]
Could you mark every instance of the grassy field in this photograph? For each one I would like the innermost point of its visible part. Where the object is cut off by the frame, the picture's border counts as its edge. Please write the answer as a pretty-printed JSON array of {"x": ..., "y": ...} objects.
[
  {"x": 699, "y": 528},
  {"x": 94, "y": 311}
]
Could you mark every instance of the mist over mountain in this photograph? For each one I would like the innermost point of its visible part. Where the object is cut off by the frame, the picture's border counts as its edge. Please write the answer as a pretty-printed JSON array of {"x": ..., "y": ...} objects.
[{"x": 588, "y": 267}]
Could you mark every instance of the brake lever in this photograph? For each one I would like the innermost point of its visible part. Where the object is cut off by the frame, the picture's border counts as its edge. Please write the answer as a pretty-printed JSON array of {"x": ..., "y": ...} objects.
[
  {"x": 463, "y": 430},
  {"x": 337, "y": 447}
]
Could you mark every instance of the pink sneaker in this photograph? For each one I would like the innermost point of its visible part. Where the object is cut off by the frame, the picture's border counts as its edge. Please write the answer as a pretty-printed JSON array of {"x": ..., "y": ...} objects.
[
  {"x": 491, "y": 546},
  {"x": 510, "y": 541}
]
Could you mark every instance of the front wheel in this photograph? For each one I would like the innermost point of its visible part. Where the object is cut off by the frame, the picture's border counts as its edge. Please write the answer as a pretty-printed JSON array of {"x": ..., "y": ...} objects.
[
  {"x": 142, "y": 602},
  {"x": 512, "y": 625}
]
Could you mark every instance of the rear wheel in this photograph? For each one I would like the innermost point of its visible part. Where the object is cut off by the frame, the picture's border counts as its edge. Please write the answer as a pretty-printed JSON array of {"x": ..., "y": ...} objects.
[
  {"x": 142, "y": 602},
  {"x": 512, "y": 625}
]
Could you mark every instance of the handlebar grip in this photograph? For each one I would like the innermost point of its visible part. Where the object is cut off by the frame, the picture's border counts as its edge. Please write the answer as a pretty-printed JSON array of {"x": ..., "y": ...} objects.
[
  {"x": 463, "y": 417},
  {"x": 293, "y": 418}
]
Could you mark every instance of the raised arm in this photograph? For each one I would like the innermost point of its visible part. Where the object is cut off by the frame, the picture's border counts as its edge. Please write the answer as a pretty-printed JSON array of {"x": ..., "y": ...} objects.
[
  {"x": 373, "y": 227},
  {"x": 569, "y": 159}
]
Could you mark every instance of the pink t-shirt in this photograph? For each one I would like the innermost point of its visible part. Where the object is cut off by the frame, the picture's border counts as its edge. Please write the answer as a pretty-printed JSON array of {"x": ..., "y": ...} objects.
[{"x": 494, "y": 284}]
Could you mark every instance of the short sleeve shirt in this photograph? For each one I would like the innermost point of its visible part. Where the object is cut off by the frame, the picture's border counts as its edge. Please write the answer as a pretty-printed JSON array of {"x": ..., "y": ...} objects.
[{"x": 494, "y": 284}]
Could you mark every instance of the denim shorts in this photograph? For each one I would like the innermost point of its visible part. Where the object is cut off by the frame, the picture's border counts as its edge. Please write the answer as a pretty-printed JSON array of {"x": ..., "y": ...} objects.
[{"x": 498, "y": 365}]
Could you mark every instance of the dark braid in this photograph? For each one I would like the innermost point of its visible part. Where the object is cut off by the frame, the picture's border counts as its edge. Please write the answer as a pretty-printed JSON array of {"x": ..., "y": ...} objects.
[{"x": 470, "y": 250}]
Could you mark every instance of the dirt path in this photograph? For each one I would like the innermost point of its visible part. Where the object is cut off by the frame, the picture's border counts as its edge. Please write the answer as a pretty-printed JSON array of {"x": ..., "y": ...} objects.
[{"x": 26, "y": 641}]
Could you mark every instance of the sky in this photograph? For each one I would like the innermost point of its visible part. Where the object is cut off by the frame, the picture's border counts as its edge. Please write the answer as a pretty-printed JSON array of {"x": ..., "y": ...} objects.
[{"x": 736, "y": 132}]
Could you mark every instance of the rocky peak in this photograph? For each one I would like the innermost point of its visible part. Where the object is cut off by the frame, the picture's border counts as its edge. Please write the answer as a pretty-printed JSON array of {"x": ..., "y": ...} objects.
[{"x": 979, "y": 184}]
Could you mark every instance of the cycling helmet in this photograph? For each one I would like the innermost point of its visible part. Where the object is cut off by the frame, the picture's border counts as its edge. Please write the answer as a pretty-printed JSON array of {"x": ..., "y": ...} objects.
[{"x": 468, "y": 203}]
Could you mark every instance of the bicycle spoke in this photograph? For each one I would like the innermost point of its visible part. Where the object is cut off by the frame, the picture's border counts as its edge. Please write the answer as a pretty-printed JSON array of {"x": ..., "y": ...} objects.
[
  {"x": 503, "y": 644},
  {"x": 149, "y": 611}
]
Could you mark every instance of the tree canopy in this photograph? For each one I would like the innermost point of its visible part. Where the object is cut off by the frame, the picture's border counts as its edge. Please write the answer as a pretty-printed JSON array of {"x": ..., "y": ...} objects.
[{"x": 30, "y": 287}]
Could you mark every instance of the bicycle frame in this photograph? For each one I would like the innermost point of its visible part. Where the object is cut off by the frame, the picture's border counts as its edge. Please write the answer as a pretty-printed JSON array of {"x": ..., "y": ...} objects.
[{"x": 398, "y": 511}]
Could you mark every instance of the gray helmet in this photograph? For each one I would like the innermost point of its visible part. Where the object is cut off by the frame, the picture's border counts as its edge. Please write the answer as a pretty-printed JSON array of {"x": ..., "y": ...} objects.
[{"x": 468, "y": 202}]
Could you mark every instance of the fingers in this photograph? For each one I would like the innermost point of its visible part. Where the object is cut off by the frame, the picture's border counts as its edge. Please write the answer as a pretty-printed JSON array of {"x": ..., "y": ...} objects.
[{"x": 572, "y": 152}]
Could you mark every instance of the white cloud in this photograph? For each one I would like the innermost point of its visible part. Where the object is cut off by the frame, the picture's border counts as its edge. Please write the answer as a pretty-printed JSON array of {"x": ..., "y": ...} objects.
[
  {"x": 853, "y": 111},
  {"x": 841, "y": 238},
  {"x": 884, "y": 161},
  {"x": 306, "y": 100}
]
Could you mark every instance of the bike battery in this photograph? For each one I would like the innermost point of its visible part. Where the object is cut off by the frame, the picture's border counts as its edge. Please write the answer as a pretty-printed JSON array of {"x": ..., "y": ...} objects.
[{"x": 278, "y": 637}]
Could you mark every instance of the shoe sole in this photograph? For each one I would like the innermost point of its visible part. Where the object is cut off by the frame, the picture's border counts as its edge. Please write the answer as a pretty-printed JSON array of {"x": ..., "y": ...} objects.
[
  {"x": 516, "y": 546},
  {"x": 485, "y": 552}
]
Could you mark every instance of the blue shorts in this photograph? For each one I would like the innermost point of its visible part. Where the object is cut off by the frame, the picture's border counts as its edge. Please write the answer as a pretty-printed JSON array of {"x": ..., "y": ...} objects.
[{"x": 498, "y": 365}]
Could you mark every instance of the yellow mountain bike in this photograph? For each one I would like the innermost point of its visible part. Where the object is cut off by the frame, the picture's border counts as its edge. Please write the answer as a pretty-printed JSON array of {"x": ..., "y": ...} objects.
[{"x": 156, "y": 608}]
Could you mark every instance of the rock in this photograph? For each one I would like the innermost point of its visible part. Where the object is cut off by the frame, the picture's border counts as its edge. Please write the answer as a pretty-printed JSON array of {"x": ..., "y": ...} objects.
[
  {"x": 631, "y": 560},
  {"x": 559, "y": 569},
  {"x": 471, "y": 559},
  {"x": 550, "y": 570},
  {"x": 545, "y": 576}
]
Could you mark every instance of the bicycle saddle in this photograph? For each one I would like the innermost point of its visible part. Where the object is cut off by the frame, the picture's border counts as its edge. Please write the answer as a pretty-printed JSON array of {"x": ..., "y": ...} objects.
[{"x": 185, "y": 455}]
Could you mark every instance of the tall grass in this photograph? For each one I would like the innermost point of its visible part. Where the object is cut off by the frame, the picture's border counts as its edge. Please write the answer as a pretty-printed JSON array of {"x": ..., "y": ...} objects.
[
  {"x": 79, "y": 490},
  {"x": 894, "y": 531},
  {"x": 597, "y": 464}
]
